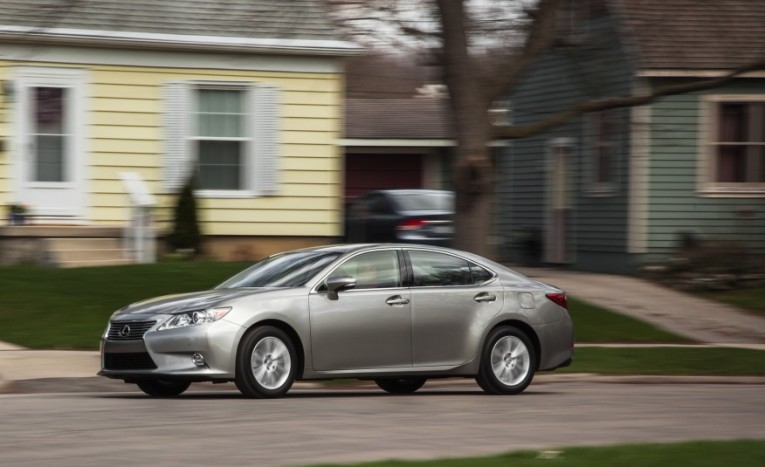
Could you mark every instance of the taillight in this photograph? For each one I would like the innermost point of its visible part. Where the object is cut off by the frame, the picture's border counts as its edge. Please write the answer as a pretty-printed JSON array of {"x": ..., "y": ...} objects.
[
  {"x": 411, "y": 224},
  {"x": 559, "y": 298}
]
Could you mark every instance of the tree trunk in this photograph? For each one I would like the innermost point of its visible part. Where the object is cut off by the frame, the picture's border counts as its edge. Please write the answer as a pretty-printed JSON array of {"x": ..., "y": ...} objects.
[{"x": 472, "y": 165}]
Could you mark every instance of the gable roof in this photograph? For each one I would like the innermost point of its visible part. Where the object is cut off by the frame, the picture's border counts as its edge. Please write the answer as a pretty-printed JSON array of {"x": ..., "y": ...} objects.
[
  {"x": 270, "y": 25},
  {"x": 412, "y": 118},
  {"x": 695, "y": 34}
]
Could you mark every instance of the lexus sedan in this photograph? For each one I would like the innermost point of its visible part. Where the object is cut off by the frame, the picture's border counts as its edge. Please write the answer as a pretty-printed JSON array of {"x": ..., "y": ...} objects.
[
  {"x": 408, "y": 216},
  {"x": 393, "y": 313}
]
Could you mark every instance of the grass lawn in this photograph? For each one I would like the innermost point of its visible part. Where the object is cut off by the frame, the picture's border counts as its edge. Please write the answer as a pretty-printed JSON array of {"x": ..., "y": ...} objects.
[
  {"x": 752, "y": 299},
  {"x": 69, "y": 308},
  {"x": 705, "y": 361},
  {"x": 739, "y": 453},
  {"x": 598, "y": 325}
]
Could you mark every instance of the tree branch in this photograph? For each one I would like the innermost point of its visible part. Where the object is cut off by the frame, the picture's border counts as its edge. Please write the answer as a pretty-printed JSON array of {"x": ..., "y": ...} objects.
[
  {"x": 514, "y": 132},
  {"x": 541, "y": 37}
]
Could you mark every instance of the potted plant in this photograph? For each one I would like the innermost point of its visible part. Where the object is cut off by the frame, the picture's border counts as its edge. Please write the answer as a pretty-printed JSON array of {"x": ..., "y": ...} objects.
[{"x": 17, "y": 214}]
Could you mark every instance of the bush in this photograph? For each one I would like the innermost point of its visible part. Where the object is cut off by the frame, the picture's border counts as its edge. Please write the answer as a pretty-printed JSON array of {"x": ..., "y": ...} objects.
[{"x": 186, "y": 234}]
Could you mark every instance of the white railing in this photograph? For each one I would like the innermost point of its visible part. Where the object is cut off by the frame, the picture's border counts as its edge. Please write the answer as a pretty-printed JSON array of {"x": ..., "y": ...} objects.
[{"x": 140, "y": 240}]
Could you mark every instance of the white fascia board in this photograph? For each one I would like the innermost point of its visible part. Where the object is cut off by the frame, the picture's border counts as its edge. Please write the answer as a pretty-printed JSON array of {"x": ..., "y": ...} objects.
[
  {"x": 88, "y": 55},
  {"x": 414, "y": 143},
  {"x": 143, "y": 39},
  {"x": 695, "y": 74}
]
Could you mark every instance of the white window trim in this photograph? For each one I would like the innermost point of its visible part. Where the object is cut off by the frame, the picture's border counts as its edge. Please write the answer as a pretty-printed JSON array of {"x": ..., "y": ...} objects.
[{"x": 708, "y": 121}]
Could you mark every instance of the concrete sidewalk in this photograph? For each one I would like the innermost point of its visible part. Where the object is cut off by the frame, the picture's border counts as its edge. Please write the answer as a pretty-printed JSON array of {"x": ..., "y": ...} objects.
[
  {"x": 687, "y": 315},
  {"x": 705, "y": 321}
]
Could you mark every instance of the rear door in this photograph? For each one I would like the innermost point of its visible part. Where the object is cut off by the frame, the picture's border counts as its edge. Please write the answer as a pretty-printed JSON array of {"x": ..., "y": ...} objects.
[{"x": 452, "y": 302}]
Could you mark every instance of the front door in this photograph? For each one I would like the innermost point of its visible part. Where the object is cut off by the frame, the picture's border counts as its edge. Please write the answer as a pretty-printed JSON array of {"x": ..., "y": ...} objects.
[
  {"x": 558, "y": 205},
  {"x": 369, "y": 326},
  {"x": 48, "y": 152}
]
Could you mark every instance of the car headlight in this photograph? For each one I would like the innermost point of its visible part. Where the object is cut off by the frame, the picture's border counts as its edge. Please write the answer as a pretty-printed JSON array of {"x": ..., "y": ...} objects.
[{"x": 194, "y": 318}]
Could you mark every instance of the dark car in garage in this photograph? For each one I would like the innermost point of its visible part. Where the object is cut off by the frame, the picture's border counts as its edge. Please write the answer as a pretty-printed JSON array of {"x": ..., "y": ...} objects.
[{"x": 409, "y": 216}]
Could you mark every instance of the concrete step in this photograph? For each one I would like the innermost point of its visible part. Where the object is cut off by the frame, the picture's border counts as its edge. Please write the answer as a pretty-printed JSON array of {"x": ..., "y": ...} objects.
[{"x": 88, "y": 263}]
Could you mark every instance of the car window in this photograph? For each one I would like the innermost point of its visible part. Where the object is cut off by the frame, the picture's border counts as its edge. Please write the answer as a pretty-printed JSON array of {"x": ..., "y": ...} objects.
[
  {"x": 373, "y": 270},
  {"x": 479, "y": 275},
  {"x": 379, "y": 205},
  {"x": 438, "y": 269},
  {"x": 290, "y": 269},
  {"x": 424, "y": 201}
]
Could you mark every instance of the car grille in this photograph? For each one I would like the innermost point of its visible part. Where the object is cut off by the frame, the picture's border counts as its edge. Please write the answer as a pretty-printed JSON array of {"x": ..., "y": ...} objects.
[
  {"x": 128, "y": 331},
  {"x": 128, "y": 361}
]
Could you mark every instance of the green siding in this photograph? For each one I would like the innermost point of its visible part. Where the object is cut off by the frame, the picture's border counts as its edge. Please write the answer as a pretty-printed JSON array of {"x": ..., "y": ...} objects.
[{"x": 675, "y": 206}]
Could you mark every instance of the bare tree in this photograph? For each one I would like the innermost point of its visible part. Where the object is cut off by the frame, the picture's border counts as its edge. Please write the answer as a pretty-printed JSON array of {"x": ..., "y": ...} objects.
[{"x": 484, "y": 52}]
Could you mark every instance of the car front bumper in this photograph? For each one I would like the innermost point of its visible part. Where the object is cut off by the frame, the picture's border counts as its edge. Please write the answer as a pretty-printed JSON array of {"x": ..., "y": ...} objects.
[{"x": 199, "y": 353}]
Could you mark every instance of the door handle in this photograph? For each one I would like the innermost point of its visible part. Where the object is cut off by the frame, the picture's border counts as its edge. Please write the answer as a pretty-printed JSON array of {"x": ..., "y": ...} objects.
[
  {"x": 397, "y": 300},
  {"x": 485, "y": 297}
]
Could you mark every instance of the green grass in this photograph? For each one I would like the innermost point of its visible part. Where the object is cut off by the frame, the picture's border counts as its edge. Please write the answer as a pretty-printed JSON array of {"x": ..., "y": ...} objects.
[
  {"x": 69, "y": 308},
  {"x": 704, "y": 361},
  {"x": 752, "y": 299},
  {"x": 598, "y": 325},
  {"x": 739, "y": 453}
]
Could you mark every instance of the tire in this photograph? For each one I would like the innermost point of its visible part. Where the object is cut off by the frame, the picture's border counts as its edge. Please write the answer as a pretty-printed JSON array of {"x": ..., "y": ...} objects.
[
  {"x": 400, "y": 385},
  {"x": 508, "y": 362},
  {"x": 266, "y": 363},
  {"x": 163, "y": 387}
]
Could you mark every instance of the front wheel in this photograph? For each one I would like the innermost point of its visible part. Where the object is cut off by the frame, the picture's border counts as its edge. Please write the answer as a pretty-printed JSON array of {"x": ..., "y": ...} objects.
[
  {"x": 400, "y": 385},
  {"x": 163, "y": 387},
  {"x": 266, "y": 363},
  {"x": 508, "y": 362}
]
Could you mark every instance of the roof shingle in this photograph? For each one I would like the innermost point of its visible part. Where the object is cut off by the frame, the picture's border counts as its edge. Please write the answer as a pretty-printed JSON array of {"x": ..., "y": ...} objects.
[
  {"x": 416, "y": 118},
  {"x": 696, "y": 34}
]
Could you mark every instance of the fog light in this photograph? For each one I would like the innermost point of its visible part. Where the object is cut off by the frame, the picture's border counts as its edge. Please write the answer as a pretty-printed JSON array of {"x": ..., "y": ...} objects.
[{"x": 198, "y": 359}]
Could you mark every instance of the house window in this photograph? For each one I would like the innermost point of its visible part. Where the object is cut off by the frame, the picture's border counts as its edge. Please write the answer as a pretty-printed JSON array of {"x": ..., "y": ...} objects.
[
  {"x": 220, "y": 138},
  {"x": 738, "y": 148},
  {"x": 603, "y": 150},
  {"x": 228, "y": 132}
]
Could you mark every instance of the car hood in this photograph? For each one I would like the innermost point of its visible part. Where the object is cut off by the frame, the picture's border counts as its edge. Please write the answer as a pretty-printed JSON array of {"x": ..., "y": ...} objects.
[{"x": 184, "y": 302}]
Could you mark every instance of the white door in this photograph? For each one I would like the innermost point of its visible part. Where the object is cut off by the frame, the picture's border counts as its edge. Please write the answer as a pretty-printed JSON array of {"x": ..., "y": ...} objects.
[{"x": 48, "y": 150}]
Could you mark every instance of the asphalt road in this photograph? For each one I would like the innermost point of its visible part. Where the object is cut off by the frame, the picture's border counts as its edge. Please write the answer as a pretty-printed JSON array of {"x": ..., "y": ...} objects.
[{"x": 310, "y": 426}]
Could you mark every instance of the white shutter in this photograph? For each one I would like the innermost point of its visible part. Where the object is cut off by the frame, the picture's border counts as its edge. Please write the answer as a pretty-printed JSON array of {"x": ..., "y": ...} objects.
[
  {"x": 177, "y": 159},
  {"x": 264, "y": 148}
]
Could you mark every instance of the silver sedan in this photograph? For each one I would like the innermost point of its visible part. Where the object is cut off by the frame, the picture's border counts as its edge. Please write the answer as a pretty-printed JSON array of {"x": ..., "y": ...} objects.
[{"x": 396, "y": 314}]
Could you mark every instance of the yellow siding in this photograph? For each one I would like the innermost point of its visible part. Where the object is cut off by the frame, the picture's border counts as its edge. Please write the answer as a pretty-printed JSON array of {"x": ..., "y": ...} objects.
[{"x": 124, "y": 133}]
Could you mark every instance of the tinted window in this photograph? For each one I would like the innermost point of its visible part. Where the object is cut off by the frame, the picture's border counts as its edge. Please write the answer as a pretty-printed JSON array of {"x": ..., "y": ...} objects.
[
  {"x": 374, "y": 270},
  {"x": 432, "y": 201},
  {"x": 438, "y": 269},
  {"x": 479, "y": 274},
  {"x": 285, "y": 270}
]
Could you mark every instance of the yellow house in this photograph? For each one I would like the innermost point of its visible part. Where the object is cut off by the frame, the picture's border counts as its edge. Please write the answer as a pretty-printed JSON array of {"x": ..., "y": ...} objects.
[{"x": 248, "y": 93}]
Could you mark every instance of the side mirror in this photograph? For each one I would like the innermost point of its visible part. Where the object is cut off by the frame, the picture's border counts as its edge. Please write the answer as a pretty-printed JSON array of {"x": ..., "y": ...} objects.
[{"x": 336, "y": 284}]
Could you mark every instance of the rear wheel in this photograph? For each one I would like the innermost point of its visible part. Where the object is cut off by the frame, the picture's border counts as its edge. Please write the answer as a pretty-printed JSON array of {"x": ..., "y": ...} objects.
[
  {"x": 508, "y": 362},
  {"x": 266, "y": 363},
  {"x": 163, "y": 387},
  {"x": 400, "y": 385}
]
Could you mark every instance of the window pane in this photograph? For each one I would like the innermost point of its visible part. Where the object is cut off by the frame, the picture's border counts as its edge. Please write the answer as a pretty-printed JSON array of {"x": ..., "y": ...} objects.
[
  {"x": 437, "y": 269},
  {"x": 49, "y": 163},
  {"x": 479, "y": 274},
  {"x": 733, "y": 123},
  {"x": 220, "y": 165},
  {"x": 374, "y": 270},
  {"x": 220, "y": 113},
  {"x": 731, "y": 164},
  {"x": 49, "y": 110}
]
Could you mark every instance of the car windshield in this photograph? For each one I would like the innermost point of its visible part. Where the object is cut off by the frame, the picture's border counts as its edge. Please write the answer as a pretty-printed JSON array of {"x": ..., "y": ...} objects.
[
  {"x": 432, "y": 201},
  {"x": 291, "y": 269}
]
